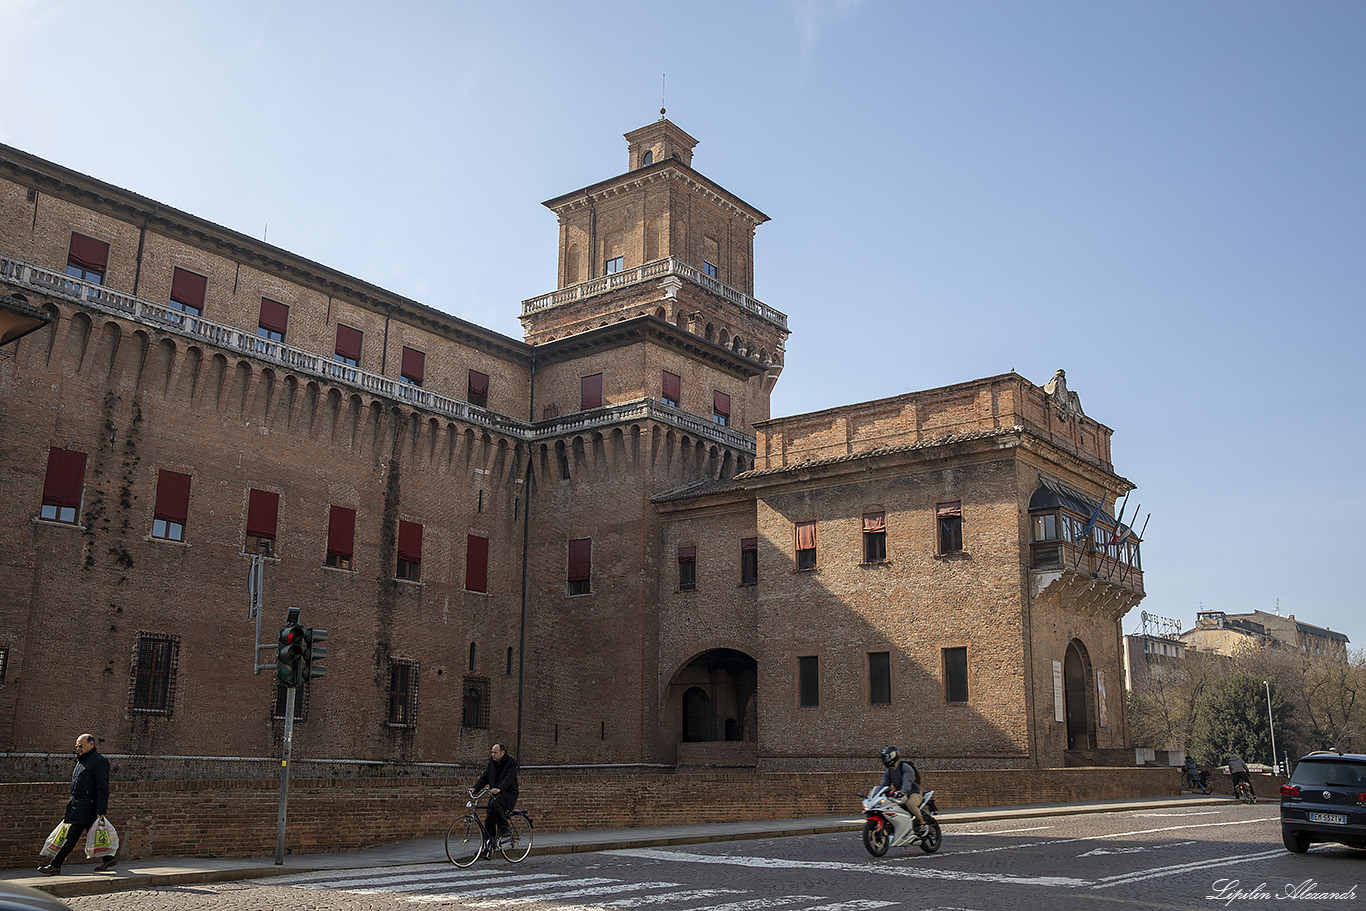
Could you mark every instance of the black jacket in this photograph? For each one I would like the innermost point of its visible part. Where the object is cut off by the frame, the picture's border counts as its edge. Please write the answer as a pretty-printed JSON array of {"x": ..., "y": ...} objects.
[
  {"x": 89, "y": 788},
  {"x": 501, "y": 775}
]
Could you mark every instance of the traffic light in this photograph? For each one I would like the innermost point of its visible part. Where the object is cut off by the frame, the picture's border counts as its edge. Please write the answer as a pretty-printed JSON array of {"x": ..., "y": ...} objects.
[
  {"x": 314, "y": 653},
  {"x": 289, "y": 658}
]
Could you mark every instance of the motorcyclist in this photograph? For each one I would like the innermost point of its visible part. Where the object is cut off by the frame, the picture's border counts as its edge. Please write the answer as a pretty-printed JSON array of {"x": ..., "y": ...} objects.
[
  {"x": 1237, "y": 769},
  {"x": 903, "y": 778}
]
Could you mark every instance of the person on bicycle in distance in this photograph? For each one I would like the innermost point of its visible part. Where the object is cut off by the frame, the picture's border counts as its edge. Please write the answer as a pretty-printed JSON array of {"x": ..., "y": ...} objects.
[
  {"x": 500, "y": 777},
  {"x": 903, "y": 778},
  {"x": 1192, "y": 773},
  {"x": 1238, "y": 770}
]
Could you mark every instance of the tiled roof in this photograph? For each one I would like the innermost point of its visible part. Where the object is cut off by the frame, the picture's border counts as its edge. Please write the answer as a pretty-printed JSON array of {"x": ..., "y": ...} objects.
[
  {"x": 696, "y": 489},
  {"x": 884, "y": 450}
]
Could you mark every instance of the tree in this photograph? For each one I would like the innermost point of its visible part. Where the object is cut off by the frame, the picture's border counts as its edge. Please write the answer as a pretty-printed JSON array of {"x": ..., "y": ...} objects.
[{"x": 1232, "y": 718}]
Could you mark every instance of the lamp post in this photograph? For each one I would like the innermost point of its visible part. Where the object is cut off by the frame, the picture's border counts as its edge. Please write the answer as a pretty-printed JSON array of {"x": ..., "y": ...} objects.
[{"x": 1275, "y": 763}]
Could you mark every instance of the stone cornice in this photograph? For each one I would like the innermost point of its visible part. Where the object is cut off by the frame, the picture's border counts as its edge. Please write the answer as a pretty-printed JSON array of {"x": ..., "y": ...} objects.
[
  {"x": 647, "y": 329},
  {"x": 660, "y": 170}
]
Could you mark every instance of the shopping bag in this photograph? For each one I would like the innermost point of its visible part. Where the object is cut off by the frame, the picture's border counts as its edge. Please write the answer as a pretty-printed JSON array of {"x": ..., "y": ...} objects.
[
  {"x": 55, "y": 839},
  {"x": 103, "y": 840}
]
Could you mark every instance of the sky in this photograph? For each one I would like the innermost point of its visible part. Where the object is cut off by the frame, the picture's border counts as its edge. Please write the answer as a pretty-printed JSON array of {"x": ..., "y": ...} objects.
[{"x": 1165, "y": 199}]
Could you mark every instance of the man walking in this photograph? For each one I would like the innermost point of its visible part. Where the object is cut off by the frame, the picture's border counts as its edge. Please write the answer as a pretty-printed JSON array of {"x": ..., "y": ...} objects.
[
  {"x": 89, "y": 801},
  {"x": 500, "y": 777}
]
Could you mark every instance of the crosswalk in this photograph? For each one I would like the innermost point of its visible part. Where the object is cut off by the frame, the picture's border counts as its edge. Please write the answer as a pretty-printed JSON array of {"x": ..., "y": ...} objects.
[{"x": 499, "y": 890}]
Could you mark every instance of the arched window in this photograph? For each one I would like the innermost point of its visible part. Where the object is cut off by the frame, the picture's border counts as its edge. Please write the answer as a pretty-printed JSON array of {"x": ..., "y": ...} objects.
[
  {"x": 471, "y": 656},
  {"x": 648, "y": 158}
]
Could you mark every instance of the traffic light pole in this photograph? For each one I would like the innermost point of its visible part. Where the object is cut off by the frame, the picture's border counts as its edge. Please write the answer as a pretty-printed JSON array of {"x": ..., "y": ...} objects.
[{"x": 287, "y": 742}]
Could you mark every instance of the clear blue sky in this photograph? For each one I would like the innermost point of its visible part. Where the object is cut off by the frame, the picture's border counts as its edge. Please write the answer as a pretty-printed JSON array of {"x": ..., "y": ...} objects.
[{"x": 1164, "y": 198}]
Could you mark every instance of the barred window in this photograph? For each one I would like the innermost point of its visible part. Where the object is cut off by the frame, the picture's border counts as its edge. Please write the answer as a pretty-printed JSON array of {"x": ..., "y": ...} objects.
[
  {"x": 300, "y": 702},
  {"x": 475, "y": 703},
  {"x": 403, "y": 692},
  {"x": 155, "y": 657},
  {"x": 4, "y": 662}
]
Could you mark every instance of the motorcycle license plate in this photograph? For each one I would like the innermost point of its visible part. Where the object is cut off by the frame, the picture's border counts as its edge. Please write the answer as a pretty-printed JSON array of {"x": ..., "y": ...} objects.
[{"x": 1335, "y": 818}]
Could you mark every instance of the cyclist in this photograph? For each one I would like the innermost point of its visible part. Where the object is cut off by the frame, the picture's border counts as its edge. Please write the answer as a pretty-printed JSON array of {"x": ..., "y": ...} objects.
[
  {"x": 904, "y": 780},
  {"x": 1237, "y": 769},
  {"x": 1195, "y": 778},
  {"x": 500, "y": 777}
]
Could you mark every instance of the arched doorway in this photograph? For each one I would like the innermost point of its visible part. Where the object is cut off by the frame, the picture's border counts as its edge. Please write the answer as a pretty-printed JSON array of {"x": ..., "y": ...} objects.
[
  {"x": 715, "y": 697},
  {"x": 1076, "y": 672}
]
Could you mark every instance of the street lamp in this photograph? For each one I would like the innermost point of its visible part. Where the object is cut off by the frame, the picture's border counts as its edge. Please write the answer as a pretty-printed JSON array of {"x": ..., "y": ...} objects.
[{"x": 1275, "y": 764}]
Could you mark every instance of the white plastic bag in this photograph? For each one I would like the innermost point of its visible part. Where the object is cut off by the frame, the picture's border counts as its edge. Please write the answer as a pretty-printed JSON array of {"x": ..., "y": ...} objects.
[
  {"x": 55, "y": 839},
  {"x": 103, "y": 840}
]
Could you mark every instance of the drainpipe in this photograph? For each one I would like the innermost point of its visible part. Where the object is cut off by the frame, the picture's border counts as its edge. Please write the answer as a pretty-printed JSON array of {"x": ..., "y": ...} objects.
[
  {"x": 142, "y": 239},
  {"x": 526, "y": 539}
]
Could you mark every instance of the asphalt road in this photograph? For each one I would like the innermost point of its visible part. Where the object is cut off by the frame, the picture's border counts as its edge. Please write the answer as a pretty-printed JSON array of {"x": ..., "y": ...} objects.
[{"x": 1180, "y": 858}]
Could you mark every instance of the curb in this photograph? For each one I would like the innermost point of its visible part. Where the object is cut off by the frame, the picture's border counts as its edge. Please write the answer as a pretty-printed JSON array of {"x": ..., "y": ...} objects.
[{"x": 102, "y": 885}]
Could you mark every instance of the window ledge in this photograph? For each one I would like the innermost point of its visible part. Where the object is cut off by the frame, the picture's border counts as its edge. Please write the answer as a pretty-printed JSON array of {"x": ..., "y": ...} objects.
[
  {"x": 339, "y": 569},
  {"x": 684, "y": 591},
  {"x": 417, "y": 583},
  {"x": 53, "y": 523},
  {"x": 470, "y": 591},
  {"x": 153, "y": 539},
  {"x": 960, "y": 555},
  {"x": 875, "y": 563},
  {"x": 813, "y": 569},
  {"x": 747, "y": 585},
  {"x": 271, "y": 559},
  {"x": 397, "y": 725}
]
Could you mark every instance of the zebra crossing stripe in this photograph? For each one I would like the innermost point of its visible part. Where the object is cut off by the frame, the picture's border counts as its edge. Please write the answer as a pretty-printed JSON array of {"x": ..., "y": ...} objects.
[
  {"x": 758, "y": 904},
  {"x": 505, "y": 884},
  {"x": 501, "y": 890},
  {"x": 858, "y": 904},
  {"x": 640, "y": 901},
  {"x": 301, "y": 878},
  {"x": 614, "y": 889}
]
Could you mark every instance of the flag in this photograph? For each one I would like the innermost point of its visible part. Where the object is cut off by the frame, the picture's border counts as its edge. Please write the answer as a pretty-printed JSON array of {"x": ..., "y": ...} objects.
[{"x": 1090, "y": 524}]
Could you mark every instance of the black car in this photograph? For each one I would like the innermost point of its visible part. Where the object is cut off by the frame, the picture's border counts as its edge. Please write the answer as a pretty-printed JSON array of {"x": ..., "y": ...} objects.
[{"x": 1325, "y": 800}]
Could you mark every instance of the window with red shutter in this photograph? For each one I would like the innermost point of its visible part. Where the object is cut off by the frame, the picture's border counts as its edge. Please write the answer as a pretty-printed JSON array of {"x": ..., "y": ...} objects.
[
  {"x": 62, "y": 485},
  {"x": 806, "y": 545},
  {"x": 720, "y": 408},
  {"x": 414, "y": 366},
  {"x": 476, "y": 563},
  {"x": 580, "y": 566},
  {"x": 479, "y": 389},
  {"x": 590, "y": 392},
  {"x": 749, "y": 561},
  {"x": 172, "y": 506},
  {"x": 687, "y": 568},
  {"x": 409, "y": 551},
  {"x": 274, "y": 320},
  {"x": 188, "y": 290},
  {"x": 672, "y": 392},
  {"x": 341, "y": 536},
  {"x": 348, "y": 345},
  {"x": 87, "y": 258},
  {"x": 263, "y": 509}
]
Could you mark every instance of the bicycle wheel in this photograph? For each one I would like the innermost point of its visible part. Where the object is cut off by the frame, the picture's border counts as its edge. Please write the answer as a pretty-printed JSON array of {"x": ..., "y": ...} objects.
[
  {"x": 516, "y": 845},
  {"x": 464, "y": 841}
]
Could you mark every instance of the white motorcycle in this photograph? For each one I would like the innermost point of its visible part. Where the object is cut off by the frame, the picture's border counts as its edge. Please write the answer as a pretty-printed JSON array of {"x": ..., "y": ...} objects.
[{"x": 888, "y": 824}]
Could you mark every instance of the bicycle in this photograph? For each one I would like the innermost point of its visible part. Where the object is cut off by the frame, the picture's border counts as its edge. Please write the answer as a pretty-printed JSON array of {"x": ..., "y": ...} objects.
[
  {"x": 467, "y": 840},
  {"x": 1243, "y": 791}
]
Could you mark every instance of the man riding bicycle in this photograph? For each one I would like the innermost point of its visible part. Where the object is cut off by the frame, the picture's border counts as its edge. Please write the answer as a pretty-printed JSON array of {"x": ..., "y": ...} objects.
[
  {"x": 1237, "y": 769},
  {"x": 500, "y": 777}
]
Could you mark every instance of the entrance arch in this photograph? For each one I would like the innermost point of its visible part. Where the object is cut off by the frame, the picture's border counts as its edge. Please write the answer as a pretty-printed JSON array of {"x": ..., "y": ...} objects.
[
  {"x": 714, "y": 697},
  {"x": 1076, "y": 672}
]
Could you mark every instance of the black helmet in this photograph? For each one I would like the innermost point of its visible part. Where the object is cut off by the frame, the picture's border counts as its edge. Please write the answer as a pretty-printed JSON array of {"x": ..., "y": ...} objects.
[{"x": 890, "y": 755}]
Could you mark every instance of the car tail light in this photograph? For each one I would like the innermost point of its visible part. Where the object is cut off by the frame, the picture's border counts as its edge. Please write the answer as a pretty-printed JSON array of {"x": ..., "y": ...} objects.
[
  {"x": 1290, "y": 790},
  {"x": 1361, "y": 799}
]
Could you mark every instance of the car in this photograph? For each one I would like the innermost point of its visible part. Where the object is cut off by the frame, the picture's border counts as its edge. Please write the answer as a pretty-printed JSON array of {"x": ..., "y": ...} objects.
[
  {"x": 1325, "y": 801},
  {"x": 14, "y": 897}
]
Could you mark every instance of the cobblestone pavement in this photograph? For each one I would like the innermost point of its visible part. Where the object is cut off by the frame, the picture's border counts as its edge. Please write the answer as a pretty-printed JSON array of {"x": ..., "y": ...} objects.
[{"x": 1212, "y": 856}]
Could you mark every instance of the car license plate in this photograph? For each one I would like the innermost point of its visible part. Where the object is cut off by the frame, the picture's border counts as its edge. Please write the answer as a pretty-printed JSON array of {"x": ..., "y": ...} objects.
[{"x": 1335, "y": 818}]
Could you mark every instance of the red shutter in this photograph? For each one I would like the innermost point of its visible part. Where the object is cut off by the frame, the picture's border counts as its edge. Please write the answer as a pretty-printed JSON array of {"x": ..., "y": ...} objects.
[
  {"x": 88, "y": 253},
  {"x": 274, "y": 315},
  {"x": 263, "y": 508},
  {"x": 806, "y": 536},
  {"x": 749, "y": 543},
  {"x": 410, "y": 541},
  {"x": 874, "y": 522},
  {"x": 479, "y": 383},
  {"x": 673, "y": 387},
  {"x": 413, "y": 363},
  {"x": 189, "y": 288},
  {"x": 173, "y": 496},
  {"x": 349, "y": 341},
  {"x": 720, "y": 403},
  {"x": 590, "y": 392},
  {"x": 687, "y": 554},
  {"x": 65, "y": 474},
  {"x": 949, "y": 510},
  {"x": 476, "y": 563},
  {"x": 580, "y": 560},
  {"x": 341, "y": 532}
]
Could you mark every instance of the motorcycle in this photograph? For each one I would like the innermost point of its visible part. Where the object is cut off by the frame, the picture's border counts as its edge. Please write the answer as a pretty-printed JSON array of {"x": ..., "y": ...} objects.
[
  {"x": 888, "y": 824},
  {"x": 1190, "y": 783}
]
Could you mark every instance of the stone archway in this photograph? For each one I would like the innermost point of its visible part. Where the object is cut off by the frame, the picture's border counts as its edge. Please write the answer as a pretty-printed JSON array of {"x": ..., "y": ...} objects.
[
  {"x": 713, "y": 698},
  {"x": 1076, "y": 672}
]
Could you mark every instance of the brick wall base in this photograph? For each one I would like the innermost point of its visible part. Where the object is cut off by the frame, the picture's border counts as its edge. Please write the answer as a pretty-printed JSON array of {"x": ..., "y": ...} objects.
[{"x": 237, "y": 818}]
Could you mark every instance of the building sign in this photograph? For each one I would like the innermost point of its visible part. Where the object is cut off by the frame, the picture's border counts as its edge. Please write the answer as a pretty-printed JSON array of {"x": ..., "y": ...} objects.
[
  {"x": 1100, "y": 701},
  {"x": 1059, "y": 710}
]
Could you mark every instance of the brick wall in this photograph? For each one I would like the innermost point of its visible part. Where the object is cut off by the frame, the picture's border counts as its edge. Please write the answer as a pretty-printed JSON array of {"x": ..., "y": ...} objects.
[{"x": 237, "y": 818}]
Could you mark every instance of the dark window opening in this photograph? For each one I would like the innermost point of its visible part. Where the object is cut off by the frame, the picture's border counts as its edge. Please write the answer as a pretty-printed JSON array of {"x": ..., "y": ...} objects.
[
  {"x": 476, "y": 563},
  {"x": 478, "y": 389},
  {"x": 956, "y": 674},
  {"x": 472, "y": 651},
  {"x": 808, "y": 681},
  {"x": 806, "y": 545},
  {"x": 62, "y": 486},
  {"x": 687, "y": 568},
  {"x": 341, "y": 537},
  {"x": 749, "y": 561},
  {"x": 509, "y": 670},
  {"x": 874, "y": 537},
  {"x": 590, "y": 392},
  {"x": 409, "y": 551},
  {"x": 154, "y": 667},
  {"x": 950, "y": 517},
  {"x": 4, "y": 663},
  {"x": 880, "y": 678},
  {"x": 172, "y": 506},
  {"x": 403, "y": 692},
  {"x": 474, "y": 704},
  {"x": 580, "y": 566}
]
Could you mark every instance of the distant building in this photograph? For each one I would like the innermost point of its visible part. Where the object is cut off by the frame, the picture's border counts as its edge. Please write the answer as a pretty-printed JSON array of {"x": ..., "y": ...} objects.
[
  {"x": 1224, "y": 634},
  {"x": 1148, "y": 657}
]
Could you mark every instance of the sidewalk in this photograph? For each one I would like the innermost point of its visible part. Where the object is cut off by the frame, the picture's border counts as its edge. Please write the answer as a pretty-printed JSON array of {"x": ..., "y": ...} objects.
[{"x": 143, "y": 874}]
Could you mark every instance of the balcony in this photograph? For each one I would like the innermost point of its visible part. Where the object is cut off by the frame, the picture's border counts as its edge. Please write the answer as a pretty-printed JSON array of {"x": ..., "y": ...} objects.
[
  {"x": 166, "y": 319},
  {"x": 1103, "y": 581},
  {"x": 659, "y": 269}
]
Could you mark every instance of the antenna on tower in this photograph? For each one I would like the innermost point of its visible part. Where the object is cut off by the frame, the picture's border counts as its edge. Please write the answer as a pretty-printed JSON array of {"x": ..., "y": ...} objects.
[{"x": 663, "y": 78}]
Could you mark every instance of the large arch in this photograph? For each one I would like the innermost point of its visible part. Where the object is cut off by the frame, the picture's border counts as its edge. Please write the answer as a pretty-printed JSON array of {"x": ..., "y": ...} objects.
[
  {"x": 713, "y": 698},
  {"x": 1077, "y": 686}
]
